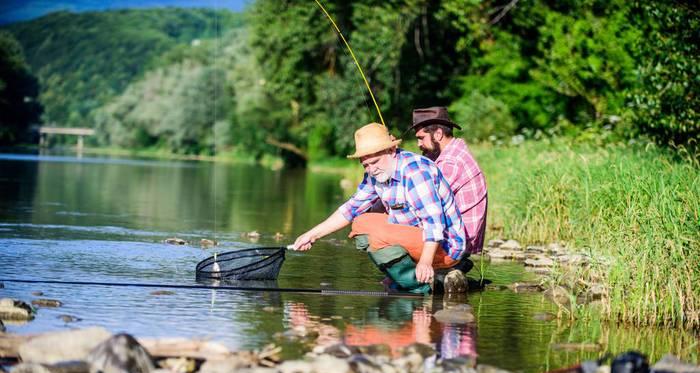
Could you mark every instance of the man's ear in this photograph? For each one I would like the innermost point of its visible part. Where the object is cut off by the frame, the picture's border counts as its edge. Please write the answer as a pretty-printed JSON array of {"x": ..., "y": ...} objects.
[{"x": 438, "y": 134}]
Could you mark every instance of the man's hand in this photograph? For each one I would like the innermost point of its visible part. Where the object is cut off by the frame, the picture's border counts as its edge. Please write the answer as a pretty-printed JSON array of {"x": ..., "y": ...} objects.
[
  {"x": 304, "y": 241},
  {"x": 424, "y": 272},
  {"x": 424, "y": 268}
]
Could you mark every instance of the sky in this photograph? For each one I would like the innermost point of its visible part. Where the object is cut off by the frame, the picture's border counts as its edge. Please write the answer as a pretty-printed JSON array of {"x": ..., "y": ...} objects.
[{"x": 22, "y": 10}]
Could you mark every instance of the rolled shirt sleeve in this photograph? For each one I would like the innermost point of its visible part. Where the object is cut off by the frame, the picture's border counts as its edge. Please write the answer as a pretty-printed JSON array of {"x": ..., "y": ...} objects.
[
  {"x": 422, "y": 194},
  {"x": 365, "y": 196}
]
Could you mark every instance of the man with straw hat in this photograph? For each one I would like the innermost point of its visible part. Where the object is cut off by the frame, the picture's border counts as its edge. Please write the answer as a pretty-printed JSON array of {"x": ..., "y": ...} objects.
[
  {"x": 433, "y": 129},
  {"x": 422, "y": 231}
]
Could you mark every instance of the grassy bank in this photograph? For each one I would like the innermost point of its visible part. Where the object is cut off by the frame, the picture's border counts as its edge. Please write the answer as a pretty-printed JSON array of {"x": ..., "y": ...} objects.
[{"x": 636, "y": 206}]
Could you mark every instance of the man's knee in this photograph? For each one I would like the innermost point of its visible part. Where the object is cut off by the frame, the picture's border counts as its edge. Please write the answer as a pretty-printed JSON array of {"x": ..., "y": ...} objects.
[{"x": 363, "y": 223}]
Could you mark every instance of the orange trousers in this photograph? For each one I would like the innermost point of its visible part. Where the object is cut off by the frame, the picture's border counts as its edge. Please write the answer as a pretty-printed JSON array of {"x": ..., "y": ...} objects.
[{"x": 381, "y": 234}]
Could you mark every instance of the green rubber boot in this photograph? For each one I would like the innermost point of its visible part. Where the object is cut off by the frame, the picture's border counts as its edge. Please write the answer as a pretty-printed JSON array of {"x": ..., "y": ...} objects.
[{"x": 395, "y": 262}]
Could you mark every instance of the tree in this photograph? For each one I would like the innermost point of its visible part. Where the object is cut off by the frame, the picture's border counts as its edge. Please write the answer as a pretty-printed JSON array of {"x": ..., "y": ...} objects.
[{"x": 18, "y": 92}]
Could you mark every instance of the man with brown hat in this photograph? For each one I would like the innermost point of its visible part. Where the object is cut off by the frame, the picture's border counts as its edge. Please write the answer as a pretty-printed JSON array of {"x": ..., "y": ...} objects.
[
  {"x": 422, "y": 231},
  {"x": 433, "y": 129}
]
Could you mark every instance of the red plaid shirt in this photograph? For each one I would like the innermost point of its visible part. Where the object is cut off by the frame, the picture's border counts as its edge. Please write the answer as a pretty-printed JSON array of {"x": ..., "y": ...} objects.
[{"x": 469, "y": 187}]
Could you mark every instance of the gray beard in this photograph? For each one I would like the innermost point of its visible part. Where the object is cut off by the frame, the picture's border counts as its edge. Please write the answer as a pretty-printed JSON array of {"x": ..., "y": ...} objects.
[{"x": 382, "y": 177}]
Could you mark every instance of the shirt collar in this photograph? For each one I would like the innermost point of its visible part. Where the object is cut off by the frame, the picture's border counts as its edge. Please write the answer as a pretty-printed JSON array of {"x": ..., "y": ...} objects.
[
  {"x": 449, "y": 145},
  {"x": 397, "y": 169}
]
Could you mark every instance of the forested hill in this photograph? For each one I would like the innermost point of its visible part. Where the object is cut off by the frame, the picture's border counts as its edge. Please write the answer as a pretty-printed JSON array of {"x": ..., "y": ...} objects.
[{"x": 83, "y": 60}]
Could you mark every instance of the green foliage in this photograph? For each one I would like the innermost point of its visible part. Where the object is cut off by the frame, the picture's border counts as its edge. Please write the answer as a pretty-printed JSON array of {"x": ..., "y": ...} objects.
[
  {"x": 177, "y": 107},
  {"x": 666, "y": 102},
  {"x": 483, "y": 116},
  {"x": 587, "y": 57},
  {"x": 18, "y": 91},
  {"x": 85, "y": 59}
]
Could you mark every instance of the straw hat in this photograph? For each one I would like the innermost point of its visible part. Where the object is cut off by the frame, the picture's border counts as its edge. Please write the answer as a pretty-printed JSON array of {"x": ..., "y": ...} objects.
[{"x": 371, "y": 139}]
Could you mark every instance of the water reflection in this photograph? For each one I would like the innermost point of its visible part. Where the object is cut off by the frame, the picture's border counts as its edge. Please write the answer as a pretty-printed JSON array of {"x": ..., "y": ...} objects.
[{"x": 396, "y": 322}]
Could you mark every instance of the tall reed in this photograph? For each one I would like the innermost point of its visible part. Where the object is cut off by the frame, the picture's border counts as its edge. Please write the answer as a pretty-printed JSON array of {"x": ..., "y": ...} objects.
[{"x": 638, "y": 207}]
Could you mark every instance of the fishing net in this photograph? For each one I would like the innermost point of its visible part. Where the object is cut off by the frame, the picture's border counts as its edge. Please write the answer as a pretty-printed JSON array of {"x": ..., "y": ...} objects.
[{"x": 247, "y": 264}]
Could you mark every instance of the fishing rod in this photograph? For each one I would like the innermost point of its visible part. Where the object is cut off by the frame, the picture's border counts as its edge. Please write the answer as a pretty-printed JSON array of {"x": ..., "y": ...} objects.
[
  {"x": 321, "y": 291},
  {"x": 347, "y": 45}
]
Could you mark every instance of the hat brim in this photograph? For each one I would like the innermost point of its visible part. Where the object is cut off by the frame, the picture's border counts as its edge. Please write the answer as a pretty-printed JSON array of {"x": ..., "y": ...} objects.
[
  {"x": 374, "y": 149},
  {"x": 428, "y": 122}
]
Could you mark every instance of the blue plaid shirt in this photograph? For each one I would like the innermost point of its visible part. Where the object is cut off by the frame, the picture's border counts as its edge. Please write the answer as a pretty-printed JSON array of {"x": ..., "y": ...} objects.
[{"x": 416, "y": 195}]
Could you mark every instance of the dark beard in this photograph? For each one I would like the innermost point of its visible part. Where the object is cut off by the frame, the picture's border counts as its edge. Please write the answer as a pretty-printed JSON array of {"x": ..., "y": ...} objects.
[{"x": 432, "y": 154}]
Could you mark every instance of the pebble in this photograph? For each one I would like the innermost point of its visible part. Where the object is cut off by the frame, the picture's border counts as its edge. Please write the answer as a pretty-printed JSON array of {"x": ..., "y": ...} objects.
[
  {"x": 510, "y": 245},
  {"x": 524, "y": 287},
  {"x": 47, "y": 303},
  {"x": 495, "y": 243},
  {"x": 253, "y": 234},
  {"x": 544, "y": 316},
  {"x": 539, "y": 261},
  {"x": 535, "y": 249},
  {"x": 175, "y": 241},
  {"x": 68, "y": 318},
  {"x": 208, "y": 243}
]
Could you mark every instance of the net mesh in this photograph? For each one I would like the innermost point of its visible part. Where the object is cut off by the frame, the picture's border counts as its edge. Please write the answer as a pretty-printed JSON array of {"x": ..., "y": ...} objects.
[{"x": 247, "y": 264}]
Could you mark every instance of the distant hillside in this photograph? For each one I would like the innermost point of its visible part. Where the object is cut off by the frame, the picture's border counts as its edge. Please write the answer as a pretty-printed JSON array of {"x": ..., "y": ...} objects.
[{"x": 83, "y": 60}]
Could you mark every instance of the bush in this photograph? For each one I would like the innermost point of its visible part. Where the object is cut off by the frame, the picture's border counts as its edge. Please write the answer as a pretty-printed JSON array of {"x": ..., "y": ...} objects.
[{"x": 482, "y": 116}]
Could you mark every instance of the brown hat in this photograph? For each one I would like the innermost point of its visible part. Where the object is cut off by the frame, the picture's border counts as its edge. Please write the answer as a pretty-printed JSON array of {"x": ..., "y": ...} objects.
[
  {"x": 431, "y": 115},
  {"x": 371, "y": 139}
]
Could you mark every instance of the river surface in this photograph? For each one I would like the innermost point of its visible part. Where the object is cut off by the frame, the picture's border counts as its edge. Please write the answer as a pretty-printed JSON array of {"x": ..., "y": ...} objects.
[{"x": 98, "y": 219}]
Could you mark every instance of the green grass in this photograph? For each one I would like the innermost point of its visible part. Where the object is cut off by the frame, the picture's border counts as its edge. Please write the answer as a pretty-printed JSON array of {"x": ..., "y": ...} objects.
[{"x": 636, "y": 206}]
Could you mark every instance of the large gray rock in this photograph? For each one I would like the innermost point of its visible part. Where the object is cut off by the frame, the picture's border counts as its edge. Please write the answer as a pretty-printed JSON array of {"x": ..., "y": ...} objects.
[
  {"x": 16, "y": 310},
  {"x": 55, "y": 347},
  {"x": 121, "y": 353},
  {"x": 672, "y": 364}
]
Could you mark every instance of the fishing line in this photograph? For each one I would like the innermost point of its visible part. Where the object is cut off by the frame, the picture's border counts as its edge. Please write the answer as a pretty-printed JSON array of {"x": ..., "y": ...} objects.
[
  {"x": 352, "y": 54},
  {"x": 219, "y": 287}
]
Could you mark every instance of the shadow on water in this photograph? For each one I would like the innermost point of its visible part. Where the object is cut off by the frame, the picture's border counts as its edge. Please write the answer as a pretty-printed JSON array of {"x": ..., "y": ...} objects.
[{"x": 105, "y": 221}]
